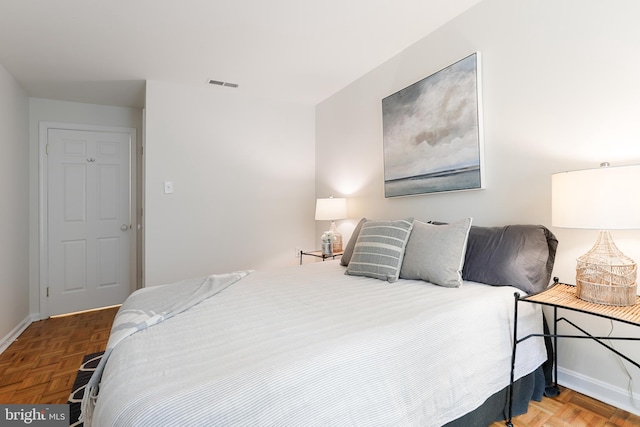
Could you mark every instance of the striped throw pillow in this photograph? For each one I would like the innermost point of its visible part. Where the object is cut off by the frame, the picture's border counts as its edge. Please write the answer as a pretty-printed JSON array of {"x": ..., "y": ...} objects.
[{"x": 379, "y": 249}]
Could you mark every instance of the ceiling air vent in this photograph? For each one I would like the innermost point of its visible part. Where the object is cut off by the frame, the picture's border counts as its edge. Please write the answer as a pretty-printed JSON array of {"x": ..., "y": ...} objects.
[{"x": 219, "y": 83}]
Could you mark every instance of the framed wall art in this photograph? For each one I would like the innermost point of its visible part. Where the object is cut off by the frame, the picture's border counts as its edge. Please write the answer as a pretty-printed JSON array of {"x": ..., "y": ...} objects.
[{"x": 432, "y": 133}]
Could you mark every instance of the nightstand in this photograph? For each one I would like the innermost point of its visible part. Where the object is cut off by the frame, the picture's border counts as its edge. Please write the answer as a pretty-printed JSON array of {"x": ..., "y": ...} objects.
[
  {"x": 563, "y": 296},
  {"x": 319, "y": 254}
]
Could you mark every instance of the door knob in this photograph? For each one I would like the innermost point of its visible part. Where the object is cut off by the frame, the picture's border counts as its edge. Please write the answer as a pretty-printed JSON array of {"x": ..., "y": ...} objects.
[{"x": 124, "y": 227}]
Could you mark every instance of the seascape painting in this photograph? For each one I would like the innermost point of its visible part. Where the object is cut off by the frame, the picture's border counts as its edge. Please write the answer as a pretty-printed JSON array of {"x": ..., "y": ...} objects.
[{"x": 432, "y": 133}]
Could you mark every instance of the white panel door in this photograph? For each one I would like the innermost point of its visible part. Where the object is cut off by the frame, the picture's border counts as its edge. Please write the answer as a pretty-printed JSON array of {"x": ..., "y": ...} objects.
[{"x": 88, "y": 219}]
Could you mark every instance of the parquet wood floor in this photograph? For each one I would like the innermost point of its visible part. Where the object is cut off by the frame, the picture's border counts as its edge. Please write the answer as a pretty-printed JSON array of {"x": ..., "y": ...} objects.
[
  {"x": 41, "y": 365},
  {"x": 572, "y": 409}
]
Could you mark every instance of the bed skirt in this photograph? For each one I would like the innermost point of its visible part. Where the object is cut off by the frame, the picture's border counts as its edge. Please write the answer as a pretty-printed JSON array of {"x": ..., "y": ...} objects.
[
  {"x": 496, "y": 408},
  {"x": 530, "y": 387}
]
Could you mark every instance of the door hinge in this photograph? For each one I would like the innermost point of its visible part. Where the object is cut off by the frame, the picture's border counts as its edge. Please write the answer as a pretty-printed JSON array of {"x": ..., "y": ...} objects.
[
  {"x": 46, "y": 149},
  {"x": 142, "y": 151},
  {"x": 47, "y": 292}
]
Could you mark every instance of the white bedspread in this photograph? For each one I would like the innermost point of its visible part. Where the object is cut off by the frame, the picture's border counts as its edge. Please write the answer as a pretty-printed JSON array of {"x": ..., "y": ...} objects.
[{"x": 309, "y": 346}]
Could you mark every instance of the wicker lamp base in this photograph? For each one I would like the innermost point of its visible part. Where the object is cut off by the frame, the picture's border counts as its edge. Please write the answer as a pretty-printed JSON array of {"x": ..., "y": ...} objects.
[{"x": 605, "y": 275}]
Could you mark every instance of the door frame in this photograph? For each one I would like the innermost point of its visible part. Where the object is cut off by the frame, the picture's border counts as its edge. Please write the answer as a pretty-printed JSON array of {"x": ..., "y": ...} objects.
[{"x": 44, "y": 128}]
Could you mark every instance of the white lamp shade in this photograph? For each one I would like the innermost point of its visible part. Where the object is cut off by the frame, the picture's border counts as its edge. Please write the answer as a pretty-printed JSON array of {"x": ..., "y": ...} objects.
[
  {"x": 606, "y": 198},
  {"x": 331, "y": 209}
]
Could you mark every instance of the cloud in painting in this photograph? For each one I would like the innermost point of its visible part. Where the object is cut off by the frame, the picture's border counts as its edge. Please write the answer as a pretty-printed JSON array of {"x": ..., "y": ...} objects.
[{"x": 432, "y": 125}]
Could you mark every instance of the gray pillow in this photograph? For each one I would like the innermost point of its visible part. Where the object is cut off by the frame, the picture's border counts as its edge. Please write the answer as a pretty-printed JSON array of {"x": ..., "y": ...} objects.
[
  {"x": 513, "y": 255},
  {"x": 348, "y": 250},
  {"x": 379, "y": 249},
  {"x": 435, "y": 253}
]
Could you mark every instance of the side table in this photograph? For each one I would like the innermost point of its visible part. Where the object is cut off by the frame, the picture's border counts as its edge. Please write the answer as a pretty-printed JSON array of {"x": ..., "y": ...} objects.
[
  {"x": 319, "y": 254},
  {"x": 563, "y": 296}
]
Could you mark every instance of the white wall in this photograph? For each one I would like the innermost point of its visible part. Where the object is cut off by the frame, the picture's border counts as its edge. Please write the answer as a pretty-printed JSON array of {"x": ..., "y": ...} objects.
[
  {"x": 243, "y": 174},
  {"x": 14, "y": 227},
  {"x": 561, "y": 92},
  {"x": 48, "y": 110}
]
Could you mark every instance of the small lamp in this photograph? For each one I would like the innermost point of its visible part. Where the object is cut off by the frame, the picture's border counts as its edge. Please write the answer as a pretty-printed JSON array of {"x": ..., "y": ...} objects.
[
  {"x": 332, "y": 209},
  {"x": 604, "y": 198}
]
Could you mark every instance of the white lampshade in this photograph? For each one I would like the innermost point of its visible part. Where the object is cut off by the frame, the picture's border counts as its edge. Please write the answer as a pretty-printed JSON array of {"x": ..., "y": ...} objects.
[
  {"x": 331, "y": 209},
  {"x": 605, "y": 198}
]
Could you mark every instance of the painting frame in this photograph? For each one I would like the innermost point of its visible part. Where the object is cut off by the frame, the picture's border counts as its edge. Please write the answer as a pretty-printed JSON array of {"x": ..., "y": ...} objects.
[{"x": 433, "y": 135}]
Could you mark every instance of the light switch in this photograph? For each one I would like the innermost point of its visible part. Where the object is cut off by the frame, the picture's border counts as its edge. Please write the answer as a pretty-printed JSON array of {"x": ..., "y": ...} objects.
[{"x": 168, "y": 187}]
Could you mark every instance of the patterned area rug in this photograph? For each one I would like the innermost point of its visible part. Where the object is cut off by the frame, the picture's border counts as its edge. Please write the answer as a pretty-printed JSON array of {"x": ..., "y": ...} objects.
[{"x": 89, "y": 363}]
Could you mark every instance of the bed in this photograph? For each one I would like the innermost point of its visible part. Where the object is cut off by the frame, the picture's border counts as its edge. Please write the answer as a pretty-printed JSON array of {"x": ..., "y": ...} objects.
[{"x": 311, "y": 345}]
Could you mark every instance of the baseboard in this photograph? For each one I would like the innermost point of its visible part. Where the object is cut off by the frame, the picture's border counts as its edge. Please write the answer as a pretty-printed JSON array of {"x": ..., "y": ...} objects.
[
  {"x": 604, "y": 392},
  {"x": 15, "y": 332}
]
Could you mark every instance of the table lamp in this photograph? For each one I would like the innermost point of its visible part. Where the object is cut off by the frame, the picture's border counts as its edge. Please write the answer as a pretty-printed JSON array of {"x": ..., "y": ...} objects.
[
  {"x": 605, "y": 198},
  {"x": 331, "y": 209}
]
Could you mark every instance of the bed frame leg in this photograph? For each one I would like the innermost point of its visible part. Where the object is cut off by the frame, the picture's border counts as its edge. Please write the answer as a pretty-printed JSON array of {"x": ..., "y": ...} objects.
[{"x": 513, "y": 358}]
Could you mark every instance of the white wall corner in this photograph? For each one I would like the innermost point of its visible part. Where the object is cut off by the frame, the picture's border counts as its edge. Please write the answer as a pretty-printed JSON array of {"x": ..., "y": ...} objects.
[
  {"x": 604, "y": 392},
  {"x": 13, "y": 335}
]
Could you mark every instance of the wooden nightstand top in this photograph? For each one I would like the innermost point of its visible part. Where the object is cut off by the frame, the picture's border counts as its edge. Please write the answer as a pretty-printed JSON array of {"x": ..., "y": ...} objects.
[{"x": 564, "y": 296}]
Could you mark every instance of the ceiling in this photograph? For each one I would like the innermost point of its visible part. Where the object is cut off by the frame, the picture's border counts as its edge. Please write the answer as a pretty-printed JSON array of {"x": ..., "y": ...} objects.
[{"x": 301, "y": 51}]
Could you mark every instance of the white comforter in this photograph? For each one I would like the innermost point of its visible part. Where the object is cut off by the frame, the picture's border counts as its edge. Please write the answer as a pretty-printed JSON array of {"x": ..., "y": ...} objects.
[{"x": 309, "y": 346}]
